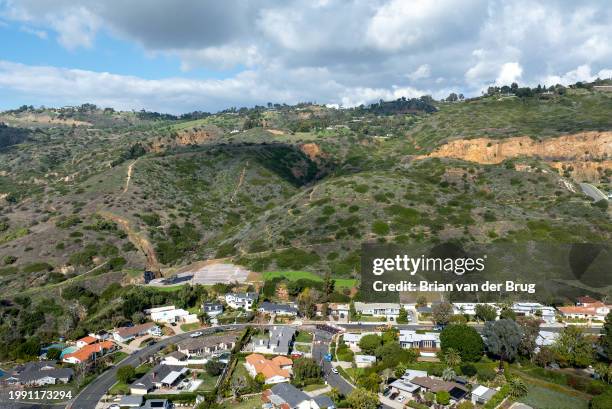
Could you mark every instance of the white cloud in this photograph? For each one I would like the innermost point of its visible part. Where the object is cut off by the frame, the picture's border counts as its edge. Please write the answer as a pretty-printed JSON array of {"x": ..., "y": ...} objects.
[
  {"x": 510, "y": 72},
  {"x": 42, "y": 34},
  {"x": 424, "y": 71},
  {"x": 581, "y": 73}
]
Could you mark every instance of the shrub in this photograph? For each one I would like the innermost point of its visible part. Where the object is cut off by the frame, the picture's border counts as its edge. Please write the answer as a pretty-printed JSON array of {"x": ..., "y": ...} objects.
[
  {"x": 416, "y": 405},
  {"x": 37, "y": 267},
  {"x": 498, "y": 397},
  {"x": 603, "y": 401},
  {"x": 380, "y": 227},
  {"x": 485, "y": 374},
  {"x": 468, "y": 370},
  {"x": 7, "y": 260}
]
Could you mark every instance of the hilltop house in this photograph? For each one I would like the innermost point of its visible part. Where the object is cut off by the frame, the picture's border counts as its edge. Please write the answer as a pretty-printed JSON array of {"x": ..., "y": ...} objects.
[
  {"x": 126, "y": 334},
  {"x": 534, "y": 309},
  {"x": 206, "y": 346},
  {"x": 364, "y": 361},
  {"x": 389, "y": 311},
  {"x": 170, "y": 314},
  {"x": 341, "y": 311},
  {"x": 278, "y": 342},
  {"x": 37, "y": 374},
  {"x": 241, "y": 300},
  {"x": 427, "y": 344},
  {"x": 277, "y": 309},
  {"x": 482, "y": 394},
  {"x": 404, "y": 386},
  {"x": 275, "y": 370},
  {"x": 80, "y": 343},
  {"x": 586, "y": 308},
  {"x": 287, "y": 396},
  {"x": 159, "y": 377},
  {"x": 212, "y": 309},
  {"x": 89, "y": 352}
]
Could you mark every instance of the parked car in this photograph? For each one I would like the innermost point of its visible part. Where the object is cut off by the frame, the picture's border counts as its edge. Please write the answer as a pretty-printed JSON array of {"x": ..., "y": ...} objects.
[
  {"x": 196, "y": 334},
  {"x": 334, "y": 370},
  {"x": 401, "y": 398}
]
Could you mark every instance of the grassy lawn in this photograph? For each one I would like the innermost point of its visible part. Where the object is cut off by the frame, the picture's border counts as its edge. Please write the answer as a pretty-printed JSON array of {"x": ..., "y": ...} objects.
[
  {"x": 167, "y": 288},
  {"x": 297, "y": 275},
  {"x": 119, "y": 388},
  {"x": 303, "y": 336},
  {"x": 543, "y": 398},
  {"x": 302, "y": 348},
  {"x": 118, "y": 356},
  {"x": 253, "y": 402},
  {"x": 190, "y": 327},
  {"x": 314, "y": 387},
  {"x": 208, "y": 383}
]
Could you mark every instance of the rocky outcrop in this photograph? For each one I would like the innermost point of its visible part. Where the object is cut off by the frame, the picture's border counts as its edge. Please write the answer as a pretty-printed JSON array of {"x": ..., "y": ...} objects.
[{"x": 584, "y": 155}]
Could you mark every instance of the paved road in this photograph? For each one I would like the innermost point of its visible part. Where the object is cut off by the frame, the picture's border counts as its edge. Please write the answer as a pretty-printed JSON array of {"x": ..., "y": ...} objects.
[
  {"x": 593, "y": 192},
  {"x": 477, "y": 327}
]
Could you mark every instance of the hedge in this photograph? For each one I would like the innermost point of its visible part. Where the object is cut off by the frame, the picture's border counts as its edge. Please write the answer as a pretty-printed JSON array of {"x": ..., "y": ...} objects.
[
  {"x": 498, "y": 397},
  {"x": 416, "y": 405}
]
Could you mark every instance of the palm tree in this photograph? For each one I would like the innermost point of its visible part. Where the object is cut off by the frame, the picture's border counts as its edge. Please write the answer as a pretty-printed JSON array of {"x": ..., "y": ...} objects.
[
  {"x": 452, "y": 357},
  {"x": 448, "y": 374},
  {"x": 517, "y": 387}
]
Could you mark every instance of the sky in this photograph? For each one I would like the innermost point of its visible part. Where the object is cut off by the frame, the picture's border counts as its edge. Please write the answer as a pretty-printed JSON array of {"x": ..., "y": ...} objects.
[{"x": 183, "y": 55}]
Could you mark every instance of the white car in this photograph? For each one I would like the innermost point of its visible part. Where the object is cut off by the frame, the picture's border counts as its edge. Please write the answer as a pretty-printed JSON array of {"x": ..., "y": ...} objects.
[
  {"x": 196, "y": 334},
  {"x": 401, "y": 398},
  {"x": 334, "y": 370},
  {"x": 114, "y": 406}
]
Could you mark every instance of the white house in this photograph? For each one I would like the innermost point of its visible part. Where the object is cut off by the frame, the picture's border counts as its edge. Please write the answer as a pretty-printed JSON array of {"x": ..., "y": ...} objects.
[
  {"x": 364, "y": 361},
  {"x": 126, "y": 334},
  {"x": 351, "y": 339},
  {"x": 427, "y": 344},
  {"x": 170, "y": 314},
  {"x": 482, "y": 394},
  {"x": 533, "y": 309},
  {"x": 241, "y": 300},
  {"x": 390, "y": 311},
  {"x": 470, "y": 307}
]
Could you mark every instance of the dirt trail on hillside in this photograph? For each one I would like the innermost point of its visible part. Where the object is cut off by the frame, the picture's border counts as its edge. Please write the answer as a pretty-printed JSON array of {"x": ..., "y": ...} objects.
[
  {"x": 240, "y": 182},
  {"x": 137, "y": 240},
  {"x": 587, "y": 153},
  {"x": 129, "y": 176}
]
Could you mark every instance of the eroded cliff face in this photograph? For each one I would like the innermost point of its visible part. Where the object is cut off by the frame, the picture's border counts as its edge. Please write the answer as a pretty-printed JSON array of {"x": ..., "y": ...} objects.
[
  {"x": 185, "y": 137},
  {"x": 583, "y": 156}
]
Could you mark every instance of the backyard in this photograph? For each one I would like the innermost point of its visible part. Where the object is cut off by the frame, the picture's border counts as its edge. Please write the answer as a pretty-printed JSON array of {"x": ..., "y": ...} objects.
[
  {"x": 297, "y": 275},
  {"x": 543, "y": 398}
]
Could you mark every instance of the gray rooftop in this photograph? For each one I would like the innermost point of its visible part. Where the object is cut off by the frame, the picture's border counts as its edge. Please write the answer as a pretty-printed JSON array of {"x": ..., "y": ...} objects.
[
  {"x": 289, "y": 394},
  {"x": 277, "y": 308},
  {"x": 324, "y": 401},
  {"x": 32, "y": 371},
  {"x": 281, "y": 338}
]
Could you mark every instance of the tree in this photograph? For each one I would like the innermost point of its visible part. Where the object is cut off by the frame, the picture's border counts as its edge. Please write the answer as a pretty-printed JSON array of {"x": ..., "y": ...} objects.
[
  {"x": 573, "y": 348},
  {"x": 369, "y": 343},
  {"x": 448, "y": 374},
  {"x": 126, "y": 373},
  {"x": 352, "y": 312},
  {"x": 485, "y": 312},
  {"x": 531, "y": 329},
  {"x": 402, "y": 318},
  {"x": 369, "y": 382},
  {"x": 466, "y": 404},
  {"x": 214, "y": 367},
  {"x": 442, "y": 313},
  {"x": 517, "y": 388},
  {"x": 305, "y": 369},
  {"x": 421, "y": 301},
  {"x": 604, "y": 371},
  {"x": 360, "y": 398},
  {"x": 138, "y": 317},
  {"x": 452, "y": 97},
  {"x": 507, "y": 314},
  {"x": 503, "y": 338},
  {"x": 390, "y": 353},
  {"x": 237, "y": 384},
  {"x": 203, "y": 317},
  {"x": 328, "y": 285},
  {"x": 53, "y": 354},
  {"x": 463, "y": 339},
  {"x": 442, "y": 398},
  {"x": 307, "y": 301},
  {"x": 606, "y": 339},
  {"x": 452, "y": 357},
  {"x": 544, "y": 357}
]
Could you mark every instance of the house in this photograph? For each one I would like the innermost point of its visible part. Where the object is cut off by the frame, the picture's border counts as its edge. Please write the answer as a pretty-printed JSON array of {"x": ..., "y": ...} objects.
[
  {"x": 469, "y": 308},
  {"x": 212, "y": 309},
  {"x": 131, "y": 401},
  {"x": 286, "y": 396},
  {"x": 404, "y": 386},
  {"x": 586, "y": 308},
  {"x": 126, "y": 334},
  {"x": 534, "y": 309},
  {"x": 278, "y": 342},
  {"x": 322, "y": 402},
  {"x": 341, "y": 311},
  {"x": 37, "y": 374},
  {"x": 100, "y": 335},
  {"x": 275, "y": 370},
  {"x": 482, "y": 394},
  {"x": 351, "y": 339},
  {"x": 206, "y": 346},
  {"x": 170, "y": 314},
  {"x": 427, "y": 384},
  {"x": 86, "y": 341},
  {"x": 89, "y": 352},
  {"x": 277, "y": 309},
  {"x": 427, "y": 344},
  {"x": 241, "y": 300},
  {"x": 175, "y": 358},
  {"x": 159, "y": 377},
  {"x": 545, "y": 339},
  {"x": 389, "y": 311},
  {"x": 364, "y": 361}
]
